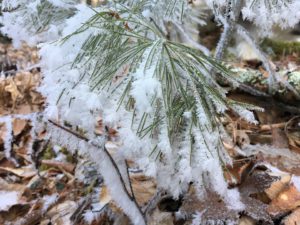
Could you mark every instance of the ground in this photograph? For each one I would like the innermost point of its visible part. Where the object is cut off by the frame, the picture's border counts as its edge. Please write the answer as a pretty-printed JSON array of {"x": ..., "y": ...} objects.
[{"x": 37, "y": 178}]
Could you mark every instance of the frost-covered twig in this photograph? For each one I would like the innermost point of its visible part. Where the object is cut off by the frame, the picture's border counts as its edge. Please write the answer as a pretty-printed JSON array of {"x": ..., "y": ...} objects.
[
  {"x": 229, "y": 21},
  {"x": 112, "y": 176},
  {"x": 8, "y": 140}
]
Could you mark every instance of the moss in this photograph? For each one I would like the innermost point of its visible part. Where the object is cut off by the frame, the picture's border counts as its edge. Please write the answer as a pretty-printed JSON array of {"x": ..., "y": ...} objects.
[
  {"x": 280, "y": 47},
  {"x": 89, "y": 189},
  {"x": 48, "y": 154},
  {"x": 69, "y": 157}
]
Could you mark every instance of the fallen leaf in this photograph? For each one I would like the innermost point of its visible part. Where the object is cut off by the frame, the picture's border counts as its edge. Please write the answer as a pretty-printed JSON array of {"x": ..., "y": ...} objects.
[
  {"x": 13, "y": 90},
  {"x": 279, "y": 137},
  {"x": 236, "y": 174},
  {"x": 274, "y": 190},
  {"x": 69, "y": 167},
  {"x": 245, "y": 220},
  {"x": 144, "y": 188},
  {"x": 161, "y": 218},
  {"x": 212, "y": 208},
  {"x": 18, "y": 126},
  {"x": 25, "y": 172},
  {"x": 293, "y": 218},
  {"x": 105, "y": 197},
  {"x": 256, "y": 183},
  {"x": 60, "y": 214},
  {"x": 287, "y": 200},
  {"x": 242, "y": 138}
]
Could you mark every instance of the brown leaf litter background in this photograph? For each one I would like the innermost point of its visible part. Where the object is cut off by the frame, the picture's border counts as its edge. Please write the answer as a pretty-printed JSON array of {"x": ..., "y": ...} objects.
[{"x": 265, "y": 176}]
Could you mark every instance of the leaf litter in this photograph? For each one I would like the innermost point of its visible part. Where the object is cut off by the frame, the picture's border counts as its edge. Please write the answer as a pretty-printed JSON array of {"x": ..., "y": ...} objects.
[{"x": 42, "y": 188}]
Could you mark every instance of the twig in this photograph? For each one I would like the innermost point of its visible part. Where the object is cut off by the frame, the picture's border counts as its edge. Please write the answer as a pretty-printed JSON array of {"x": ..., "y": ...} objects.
[
  {"x": 267, "y": 127},
  {"x": 130, "y": 184},
  {"x": 111, "y": 160},
  {"x": 232, "y": 13},
  {"x": 69, "y": 131},
  {"x": 288, "y": 123}
]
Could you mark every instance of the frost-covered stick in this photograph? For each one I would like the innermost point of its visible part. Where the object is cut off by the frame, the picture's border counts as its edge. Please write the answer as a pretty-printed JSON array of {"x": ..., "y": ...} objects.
[
  {"x": 130, "y": 184},
  {"x": 232, "y": 14},
  {"x": 253, "y": 91},
  {"x": 112, "y": 177},
  {"x": 8, "y": 142}
]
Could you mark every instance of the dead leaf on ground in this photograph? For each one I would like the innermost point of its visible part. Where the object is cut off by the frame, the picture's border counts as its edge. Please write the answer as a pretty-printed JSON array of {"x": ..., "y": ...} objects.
[
  {"x": 144, "y": 188},
  {"x": 287, "y": 200},
  {"x": 25, "y": 172},
  {"x": 279, "y": 137},
  {"x": 18, "y": 126},
  {"x": 69, "y": 167},
  {"x": 274, "y": 190},
  {"x": 212, "y": 208},
  {"x": 161, "y": 218},
  {"x": 60, "y": 214},
  {"x": 293, "y": 218},
  {"x": 245, "y": 220}
]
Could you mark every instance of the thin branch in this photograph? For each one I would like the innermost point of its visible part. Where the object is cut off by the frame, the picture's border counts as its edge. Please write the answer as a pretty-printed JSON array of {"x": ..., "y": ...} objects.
[
  {"x": 229, "y": 23},
  {"x": 130, "y": 184},
  {"x": 113, "y": 163}
]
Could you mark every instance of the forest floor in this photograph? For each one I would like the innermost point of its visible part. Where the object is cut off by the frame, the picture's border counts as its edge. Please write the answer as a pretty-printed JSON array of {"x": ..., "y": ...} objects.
[{"x": 39, "y": 186}]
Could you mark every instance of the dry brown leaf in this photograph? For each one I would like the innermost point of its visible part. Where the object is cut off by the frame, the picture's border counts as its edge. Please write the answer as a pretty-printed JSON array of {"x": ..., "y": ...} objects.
[
  {"x": 161, "y": 218},
  {"x": 278, "y": 186},
  {"x": 18, "y": 126},
  {"x": 254, "y": 185},
  {"x": 4, "y": 185},
  {"x": 287, "y": 200},
  {"x": 2, "y": 155},
  {"x": 293, "y": 218},
  {"x": 105, "y": 197},
  {"x": 69, "y": 167},
  {"x": 25, "y": 172},
  {"x": 242, "y": 138},
  {"x": 144, "y": 188},
  {"x": 212, "y": 208},
  {"x": 245, "y": 220},
  {"x": 279, "y": 137},
  {"x": 13, "y": 90},
  {"x": 236, "y": 174},
  {"x": 60, "y": 214},
  {"x": 294, "y": 140}
]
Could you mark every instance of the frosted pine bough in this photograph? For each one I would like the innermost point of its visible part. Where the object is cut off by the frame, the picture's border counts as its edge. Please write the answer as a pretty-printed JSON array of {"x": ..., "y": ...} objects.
[{"x": 116, "y": 62}]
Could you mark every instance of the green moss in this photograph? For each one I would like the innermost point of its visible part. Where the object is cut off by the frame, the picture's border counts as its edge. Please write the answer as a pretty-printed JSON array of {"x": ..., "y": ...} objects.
[
  {"x": 91, "y": 186},
  {"x": 69, "y": 157},
  {"x": 280, "y": 47},
  {"x": 48, "y": 154}
]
